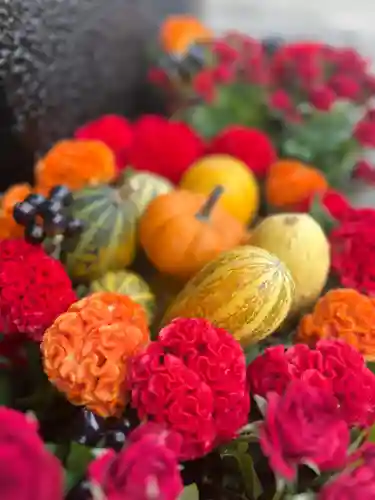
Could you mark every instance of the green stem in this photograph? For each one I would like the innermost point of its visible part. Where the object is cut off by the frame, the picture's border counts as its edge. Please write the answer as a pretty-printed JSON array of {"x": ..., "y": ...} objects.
[
  {"x": 279, "y": 493},
  {"x": 205, "y": 212}
]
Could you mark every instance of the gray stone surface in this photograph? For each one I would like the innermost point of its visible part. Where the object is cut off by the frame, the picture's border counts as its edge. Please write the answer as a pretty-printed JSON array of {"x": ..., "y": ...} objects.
[{"x": 340, "y": 22}]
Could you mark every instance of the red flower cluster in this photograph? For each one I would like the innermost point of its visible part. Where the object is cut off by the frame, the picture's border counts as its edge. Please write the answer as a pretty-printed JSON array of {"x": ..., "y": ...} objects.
[
  {"x": 249, "y": 145},
  {"x": 358, "y": 479},
  {"x": 193, "y": 380},
  {"x": 352, "y": 248},
  {"x": 116, "y": 133},
  {"x": 27, "y": 470},
  {"x": 164, "y": 147},
  {"x": 34, "y": 289},
  {"x": 322, "y": 74},
  {"x": 128, "y": 475},
  {"x": 303, "y": 426},
  {"x": 333, "y": 365}
]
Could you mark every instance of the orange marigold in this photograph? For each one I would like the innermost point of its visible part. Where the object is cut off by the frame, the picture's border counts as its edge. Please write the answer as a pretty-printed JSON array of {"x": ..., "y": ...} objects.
[
  {"x": 9, "y": 228},
  {"x": 179, "y": 32},
  {"x": 345, "y": 314},
  {"x": 75, "y": 164},
  {"x": 86, "y": 350},
  {"x": 290, "y": 183}
]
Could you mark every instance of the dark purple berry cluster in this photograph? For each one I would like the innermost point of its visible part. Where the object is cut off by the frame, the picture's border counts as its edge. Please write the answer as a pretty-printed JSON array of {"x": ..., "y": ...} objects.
[{"x": 45, "y": 217}]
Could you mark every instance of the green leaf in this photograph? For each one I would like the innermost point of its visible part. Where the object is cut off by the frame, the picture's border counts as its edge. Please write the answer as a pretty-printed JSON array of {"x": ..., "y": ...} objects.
[
  {"x": 76, "y": 465},
  {"x": 5, "y": 389},
  {"x": 240, "y": 452},
  {"x": 190, "y": 492},
  {"x": 322, "y": 216},
  {"x": 371, "y": 366}
]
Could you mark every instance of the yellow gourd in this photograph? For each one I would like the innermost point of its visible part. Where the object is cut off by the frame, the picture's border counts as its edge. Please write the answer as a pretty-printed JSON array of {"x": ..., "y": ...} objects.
[
  {"x": 247, "y": 291},
  {"x": 241, "y": 192}
]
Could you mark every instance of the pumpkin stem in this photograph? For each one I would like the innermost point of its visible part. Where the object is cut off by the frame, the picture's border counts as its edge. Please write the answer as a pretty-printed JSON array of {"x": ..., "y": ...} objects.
[{"x": 205, "y": 211}]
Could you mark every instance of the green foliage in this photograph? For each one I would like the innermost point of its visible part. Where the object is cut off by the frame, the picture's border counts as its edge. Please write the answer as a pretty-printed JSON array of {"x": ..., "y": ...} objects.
[
  {"x": 322, "y": 216},
  {"x": 325, "y": 140},
  {"x": 238, "y": 103},
  {"x": 76, "y": 465},
  {"x": 190, "y": 493}
]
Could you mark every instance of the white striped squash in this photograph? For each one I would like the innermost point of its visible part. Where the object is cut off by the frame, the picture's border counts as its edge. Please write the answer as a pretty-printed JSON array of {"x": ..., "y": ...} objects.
[{"x": 247, "y": 291}]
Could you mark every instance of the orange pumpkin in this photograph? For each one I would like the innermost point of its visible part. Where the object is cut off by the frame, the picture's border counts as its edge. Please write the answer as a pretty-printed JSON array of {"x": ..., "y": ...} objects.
[
  {"x": 182, "y": 231},
  {"x": 179, "y": 32}
]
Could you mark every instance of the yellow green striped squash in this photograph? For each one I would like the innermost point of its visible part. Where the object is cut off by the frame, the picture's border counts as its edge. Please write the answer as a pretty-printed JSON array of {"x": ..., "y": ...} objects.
[
  {"x": 143, "y": 187},
  {"x": 108, "y": 241},
  {"x": 247, "y": 291},
  {"x": 130, "y": 284}
]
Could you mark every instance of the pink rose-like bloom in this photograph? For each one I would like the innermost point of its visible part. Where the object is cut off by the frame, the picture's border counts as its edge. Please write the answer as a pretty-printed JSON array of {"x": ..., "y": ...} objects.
[
  {"x": 146, "y": 468},
  {"x": 303, "y": 426},
  {"x": 322, "y": 98},
  {"x": 357, "y": 482},
  {"x": 281, "y": 101},
  {"x": 365, "y": 133},
  {"x": 27, "y": 470}
]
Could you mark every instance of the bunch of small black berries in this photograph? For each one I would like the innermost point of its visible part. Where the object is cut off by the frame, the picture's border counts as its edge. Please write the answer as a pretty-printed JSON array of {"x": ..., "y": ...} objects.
[{"x": 45, "y": 217}]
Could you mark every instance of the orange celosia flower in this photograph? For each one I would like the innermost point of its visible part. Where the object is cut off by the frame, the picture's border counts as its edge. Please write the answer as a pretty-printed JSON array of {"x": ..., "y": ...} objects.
[
  {"x": 179, "y": 32},
  {"x": 345, "y": 314},
  {"x": 86, "y": 350},
  {"x": 8, "y": 226},
  {"x": 291, "y": 182},
  {"x": 75, "y": 164}
]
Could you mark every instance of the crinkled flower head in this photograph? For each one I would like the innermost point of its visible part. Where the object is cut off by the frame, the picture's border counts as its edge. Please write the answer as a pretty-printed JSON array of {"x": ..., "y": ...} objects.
[
  {"x": 75, "y": 164},
  {"x": 27, "y": 470},
  {"x": 34, "y": 289},
  {"x": 303, "y": 426},
  {"x": 344, "y": 314},
  {"x": 86, "y": 350},
  {"x": 193, "y": 380},
  {"x": 146, "y": 467}
]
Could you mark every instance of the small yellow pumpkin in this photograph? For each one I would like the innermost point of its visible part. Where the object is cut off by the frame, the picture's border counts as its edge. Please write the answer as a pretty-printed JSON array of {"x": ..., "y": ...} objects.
[
  {"x": 130, "y": 284},
  {"x": 241, "y": 192},
  {"x": 247, "y": 291}
]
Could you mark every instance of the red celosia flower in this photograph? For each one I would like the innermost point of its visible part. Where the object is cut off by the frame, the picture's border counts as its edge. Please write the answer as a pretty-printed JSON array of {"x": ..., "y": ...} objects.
[
  {"x": 364, "y": 171},
  {"x": 193, "y": 380},
  {"x": 116, "y": 133},
  {"x": 303, "y": 426},
  {"x": 204, "y": 84},
  {"x": 365, "y": 133},
  {"x": 158, "y": 77},
  {"x": 250, "y": 145},
  {"x": 336, "y": 204},
  {"x": 357, "y": 481},
  {"x": 27, "y": 470},
  {"x": 333, "y": 365},
  {"x": 280, "y": 101},
  {"x": 223, "y": 74},
  {"x": 352, "y": 249},
  {"x": 128, "y": 475},
  {"x": 224, "y": 52},
  {"x": 34, "y": 289},
  {"x": 345, "y": 87},
  {"x": 164, "y": 147},
  {"x": 322, "y": 98}
]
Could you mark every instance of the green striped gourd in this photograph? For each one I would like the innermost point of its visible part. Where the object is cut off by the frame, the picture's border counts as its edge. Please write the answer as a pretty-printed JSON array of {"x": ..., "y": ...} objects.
[
  {"x": 143, "y": 187},
  {"x": 247, "y": 291},
  {"x": 130, "y": 284},
  {"x": 108, "y": 241}
]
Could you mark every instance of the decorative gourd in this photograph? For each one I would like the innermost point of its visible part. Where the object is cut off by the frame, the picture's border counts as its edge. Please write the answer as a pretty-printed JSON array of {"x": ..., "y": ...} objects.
[
  {"x": 299, "y": 241},
  {"x": 181, "y": 231},
  {"x": 108, "y": 241},
  {"x": 130, "y": 284},
  {"x": 247, "y": 291},
  {"x": 178, "y": 33},
  {"x": 241, "y": 195},
  {"x": 143, "y": 187}
]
